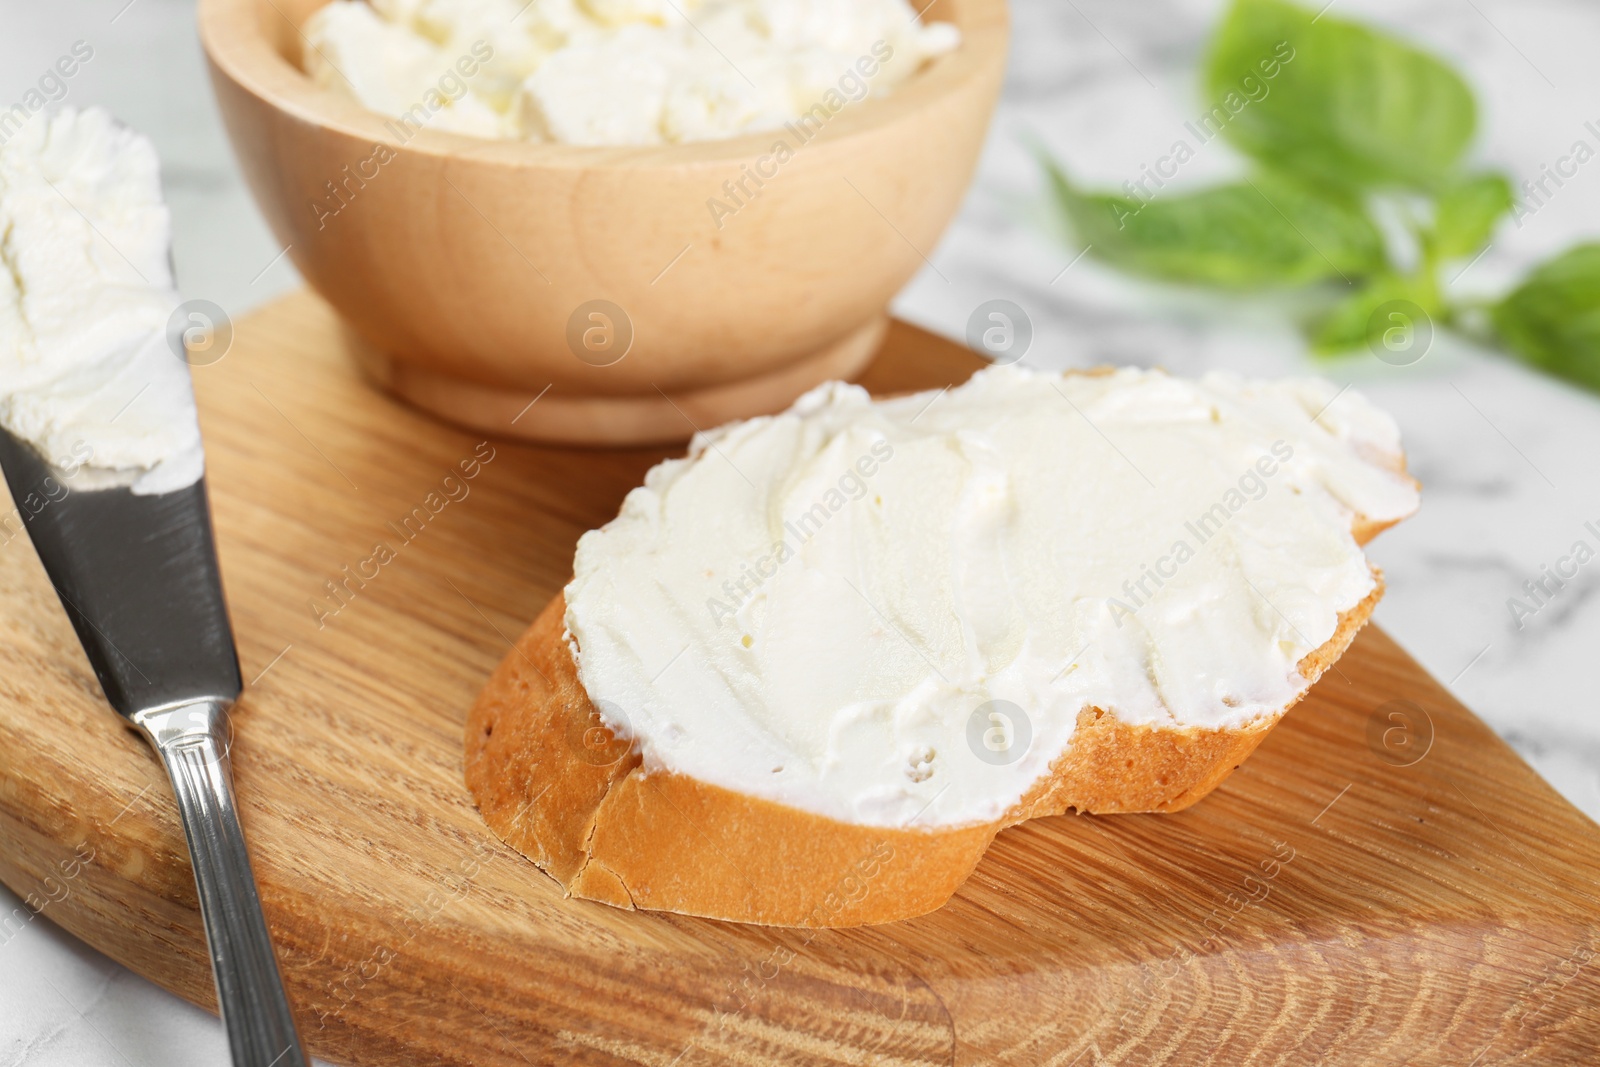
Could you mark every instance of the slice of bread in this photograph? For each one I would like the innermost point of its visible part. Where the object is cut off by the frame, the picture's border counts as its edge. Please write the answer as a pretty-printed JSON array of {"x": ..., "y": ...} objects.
[
  {"x": 589, "y": 808},
  {"x": 555, "y": 785}
]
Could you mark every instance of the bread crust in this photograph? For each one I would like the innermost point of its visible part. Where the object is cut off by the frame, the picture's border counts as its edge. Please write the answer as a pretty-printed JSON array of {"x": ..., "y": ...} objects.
[{"x": 557, "y": 787}]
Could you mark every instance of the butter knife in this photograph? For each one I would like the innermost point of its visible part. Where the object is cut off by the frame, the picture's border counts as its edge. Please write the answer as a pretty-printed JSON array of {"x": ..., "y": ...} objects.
[{"x": 137, "y": 575}]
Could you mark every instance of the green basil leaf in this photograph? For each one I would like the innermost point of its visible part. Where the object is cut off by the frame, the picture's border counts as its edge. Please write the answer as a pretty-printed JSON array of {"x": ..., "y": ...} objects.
[
  {"x": 1266, "y": 231},
  {"x": 1334, "y": 100},
  {"x": 1552, "y": 320},
  {"x": 1384, "y": 317},
  {"x": 1466, "y": 213}
]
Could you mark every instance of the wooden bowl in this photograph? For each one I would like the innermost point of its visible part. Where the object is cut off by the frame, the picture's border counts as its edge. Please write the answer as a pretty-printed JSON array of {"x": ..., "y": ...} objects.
[{"x": 467, "y": 270}]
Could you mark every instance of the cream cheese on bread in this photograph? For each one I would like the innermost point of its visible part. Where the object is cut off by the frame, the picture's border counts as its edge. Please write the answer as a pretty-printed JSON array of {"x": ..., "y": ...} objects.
[{"x": 827, "y": 608}]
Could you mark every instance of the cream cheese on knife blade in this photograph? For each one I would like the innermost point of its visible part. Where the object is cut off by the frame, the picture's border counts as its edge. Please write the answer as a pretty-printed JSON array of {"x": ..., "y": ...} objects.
[
  {"x": 813, "y": 607},
  {"x": 86, "y": 373}
]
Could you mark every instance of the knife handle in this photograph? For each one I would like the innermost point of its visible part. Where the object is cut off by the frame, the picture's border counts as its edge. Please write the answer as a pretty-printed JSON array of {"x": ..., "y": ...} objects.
[{"x": 192, "y": 741}]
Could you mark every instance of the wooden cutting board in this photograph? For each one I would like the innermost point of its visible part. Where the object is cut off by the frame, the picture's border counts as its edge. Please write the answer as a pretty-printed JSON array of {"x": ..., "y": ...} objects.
[{"x": 1384, "y": 882}]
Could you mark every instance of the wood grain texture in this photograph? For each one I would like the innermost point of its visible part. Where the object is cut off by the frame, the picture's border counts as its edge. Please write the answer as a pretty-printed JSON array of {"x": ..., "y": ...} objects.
[{"x": 1324, "y": 906}]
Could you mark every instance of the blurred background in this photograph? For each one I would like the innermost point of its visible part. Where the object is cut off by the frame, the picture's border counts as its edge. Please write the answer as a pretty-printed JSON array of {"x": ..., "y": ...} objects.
[{"x": 1506, "y": 456}]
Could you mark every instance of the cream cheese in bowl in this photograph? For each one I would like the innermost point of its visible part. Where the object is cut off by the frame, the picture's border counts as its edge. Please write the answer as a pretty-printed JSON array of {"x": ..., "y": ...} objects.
[{"x": 615, "y": 72}]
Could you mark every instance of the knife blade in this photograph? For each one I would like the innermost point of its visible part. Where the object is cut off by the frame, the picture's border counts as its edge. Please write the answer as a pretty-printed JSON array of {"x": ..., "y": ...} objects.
[{"x": 138, "y": 577}]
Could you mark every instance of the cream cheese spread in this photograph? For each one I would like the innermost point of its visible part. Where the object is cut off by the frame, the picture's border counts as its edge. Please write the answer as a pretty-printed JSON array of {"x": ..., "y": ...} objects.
[
  {"x": 615, "y": 72},
  {"x": 86, "y": 374},
  {"x": 892, "y": 612}
]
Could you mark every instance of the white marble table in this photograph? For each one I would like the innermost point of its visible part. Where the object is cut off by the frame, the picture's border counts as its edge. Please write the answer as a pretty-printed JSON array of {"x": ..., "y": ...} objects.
[{"x": 1507, "y": 458}]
